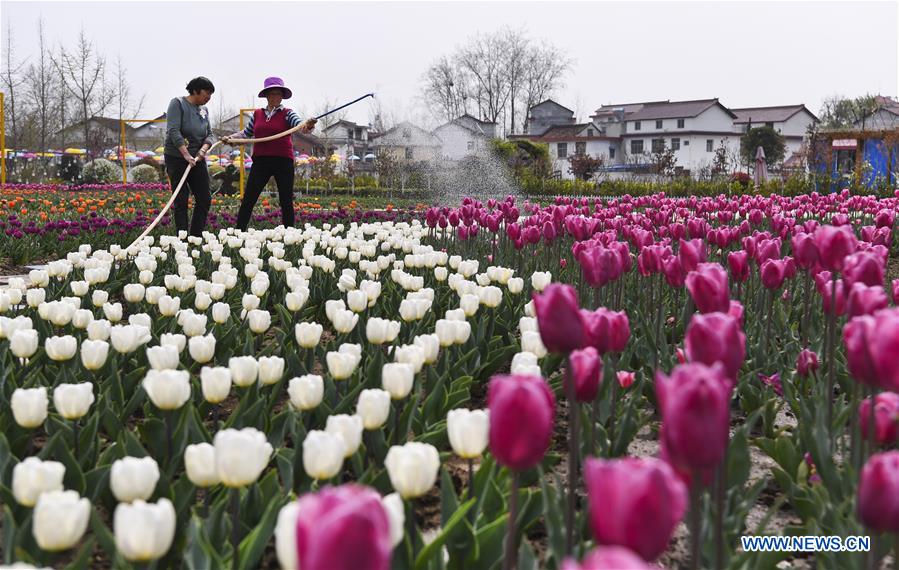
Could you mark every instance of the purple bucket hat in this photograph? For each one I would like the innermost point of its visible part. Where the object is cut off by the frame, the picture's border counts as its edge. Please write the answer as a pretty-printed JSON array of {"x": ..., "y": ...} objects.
[{"x": 273, "y": 82}]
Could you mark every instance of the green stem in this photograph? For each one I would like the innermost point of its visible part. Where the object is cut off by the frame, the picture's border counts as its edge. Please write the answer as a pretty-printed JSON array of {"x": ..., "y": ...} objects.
[
  {"x": 573, "y": 453},
  {"x": 235, "y": 527},
  {"x": 510, "y": 561}
]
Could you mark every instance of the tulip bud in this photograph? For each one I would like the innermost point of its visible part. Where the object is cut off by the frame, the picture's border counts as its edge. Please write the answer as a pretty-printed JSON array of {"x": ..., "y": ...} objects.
[
  {"x": 886, "y": 416},
  {"x": 126, "y": 338},
  {"x": 397, "y": 378},
  {"x": 609, "y": 558},
  {"x": 708, "y": 288},
  {"x": 341, "y": 366},
  {"x": 177, "y": 340},
  {"x": 323, "y": 454},
  {"x": 347, "y": 427},
  {"x": 586, "y": 370},
  {"x": 167, "y": 389},
  {"x": 306, "y": 392},
  {"x": 531, "y": 341},
  {"x": 23, "y": 343},
  {"x": 94, "y": 354},
  {"x": 60, "y": 348},
  {"x": 344, "y": 321},
  {"x": 99, "y": 297},
  {"x": 169, "y": 306},
  {"x": 806, "y": 362},
  {"x": 221, "y": 312},
  {"x": 244, "y": 370},
  {"x": 202, "y": 348},
  {"x": 515, "y": 285},
  {"x": 357, "y": 300},
  {"x": 133, "y": 478},
  {"x": 134, "y": 292},
  {"x": 29, "y": 406},
  {"x": 144, "y": 531},
  {"x": 522, "y": 410},
  {"x": 834, "y": 244},
  {"x": 522, "y": 360},
  {"x": 540, "y": 279},
  {"x": 60, "y": 520},
  {"x": 373, "y": 407},
  {"x": 163, "y": 357},
  {"x": 380, "y": 331},
  {"x": 72, "y": 401},
  {"x": 286, "y": 536},
  {"x": 199, "y": 462},
  {"x": 215, "y": 383},
  {"x": 625, "y": 378},
  {"x": 412, "y": 468},
  {"x": 241, "y": 455},
  {"x": 393, "y": 506},
  {"x": 559, "y": 319},
  {"x": 877, "y": 502},
  {"x": 468, "y": 431},
  {"x": 635, "y": 503},
  {"x": 259, "y": 320},
  {"x": 469, "y": 304},
  {"x": 32, "y": 477},
  {"x": 99, "y": 329},
  {"x": 308, "y": 335},
  {"x": 716, "y": 337},
  {"x": 271, "y": 369}
]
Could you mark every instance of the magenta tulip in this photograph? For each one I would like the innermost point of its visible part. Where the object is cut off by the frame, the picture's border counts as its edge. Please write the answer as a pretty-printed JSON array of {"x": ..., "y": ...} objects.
[
  {"x": 872, "y": 343},
  {"x": 334, "y": 517},
  {"x": 877, "y": 501},
  {"x": 600, "y": 265},
  {"x": 607, "y": 331},
  {"x": 695, "y": 408},
  {"x": 691, "y": 253},
  {"x": 634, "y": 503},
  {"x": 708, "y": 288},
  {"x": 864, "y": 267},
  {"x": 864, "y": 300},
  {"x": 716, "y": 337},
  {"x": 609, "y": 558},
  {"x": 894, "y": 291},
  {"x": 804, "y": 250},
  {"x": 806, "y": 362},
  {"x": 773, "y": 382},
  {"x": 773, "y": 273},
  {"x": 834, "y": 244},
  {"x": 559, "y": 318},
  {"x": 738, "y": 261},
  {"x": 886, "y": 417},
  {"x": 522, "y": 410},
  {"x": 586, "y": 369},
  {"x": 625, "y": 378}
]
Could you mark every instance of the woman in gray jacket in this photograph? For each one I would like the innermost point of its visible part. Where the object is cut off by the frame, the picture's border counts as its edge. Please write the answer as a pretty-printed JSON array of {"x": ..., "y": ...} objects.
[{"x": 188, "y": 137}]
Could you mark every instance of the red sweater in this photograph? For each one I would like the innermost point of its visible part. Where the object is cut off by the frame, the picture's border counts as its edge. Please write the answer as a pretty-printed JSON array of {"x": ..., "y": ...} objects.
[{"x": 277, "y": 124}]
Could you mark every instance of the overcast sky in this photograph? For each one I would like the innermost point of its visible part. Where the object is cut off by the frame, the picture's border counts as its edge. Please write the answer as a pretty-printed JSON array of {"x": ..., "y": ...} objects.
[{"x": 746, "y": 53}]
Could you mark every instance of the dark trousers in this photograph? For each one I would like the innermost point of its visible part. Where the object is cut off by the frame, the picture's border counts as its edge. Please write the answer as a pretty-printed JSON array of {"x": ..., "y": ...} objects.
[
  {"x": 197, "y": 183},
  {"x": 264, "y": 167}
]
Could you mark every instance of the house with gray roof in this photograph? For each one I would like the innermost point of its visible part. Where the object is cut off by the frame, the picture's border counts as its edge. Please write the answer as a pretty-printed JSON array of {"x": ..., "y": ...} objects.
[
  {"x": 791, "y": 121},
  {"x": 464, "y": 136}
]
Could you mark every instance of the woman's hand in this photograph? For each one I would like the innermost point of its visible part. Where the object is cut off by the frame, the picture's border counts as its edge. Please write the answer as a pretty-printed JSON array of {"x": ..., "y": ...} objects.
[
  {"x": 308, "y": 125},
  {"x": 226, "y": 140}
]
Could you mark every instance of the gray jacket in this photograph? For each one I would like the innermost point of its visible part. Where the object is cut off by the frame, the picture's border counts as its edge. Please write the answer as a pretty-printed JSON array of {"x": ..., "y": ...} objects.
[{"x": 187, "y": 124}]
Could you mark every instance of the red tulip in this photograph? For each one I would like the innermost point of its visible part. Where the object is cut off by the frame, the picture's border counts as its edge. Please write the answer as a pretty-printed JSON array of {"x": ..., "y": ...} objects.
[
  {"x": 886, "y": 417},
  {"x": 834, "y": 244},
  {"x": 864, "y": 300},
  {"x": 738, "y": 261},
  {"x": 634, "y": 502},
  {"x": 716, "y": 337},
  {"x": 872, "y": 343},
  {"x": 806, "y": 362},
  {"x": 586, "y": 369},
  {"x": 695, "y": 407},
  {"x": 559, "y": 319},
  {"x": 608, "y": 558},
  {"x": 625, "y": 378},
  {"x": 522, "y": 410},
  {"x": 607, "y": 331},
  {"x": 335, "y": 517},
  {"x": 877, "y": 502},
  {"x": 708, "y": 288}
]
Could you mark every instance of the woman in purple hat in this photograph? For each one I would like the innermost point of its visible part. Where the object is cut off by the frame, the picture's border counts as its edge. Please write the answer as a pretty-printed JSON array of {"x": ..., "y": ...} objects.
[{"x": 272, "y": 158}]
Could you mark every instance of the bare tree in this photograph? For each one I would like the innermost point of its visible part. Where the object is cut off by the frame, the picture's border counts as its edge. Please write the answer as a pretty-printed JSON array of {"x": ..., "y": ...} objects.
[
  {"x": 445, "y": 87},
  {"x": 83, "y": 76},
  {"x": 12, "y": 78},
  {"x": 517, "y": 50},
  {"x": 546, "y": 65},
  {"x": 42, "y": 82},
  {"x": 484, "y": 59}
]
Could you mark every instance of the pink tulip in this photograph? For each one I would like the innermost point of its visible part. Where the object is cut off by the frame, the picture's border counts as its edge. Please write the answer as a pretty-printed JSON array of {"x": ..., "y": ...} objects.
[
  {"x": 716, "y": 337},
  {"x": 608, "y": 558},
  {"x": 767, "y": 249},
  {"x": 877, "y": 502},
  {"x": 634, "y": 503},
  {"x": 886, "y": 417},
  {"x": 834, "y": 244},
  {"x": 833, "y": 302},
  {"x": 607, "y": 331},
  {"x": 586, "y": 368},
  {"x": 736, "y": 310},
  {"x": 872, "y": 343},
  {"x": 895, "y": 291},
  {"x": 773, "y": 382},
  {"x": 522, "y": 410},
  {"x": 559, "y": 319},
  {"x": 864, "y": 300},
  {"x": 691, "y": 253},
  {"x": 804, "y": 250},
  {"x": 334, "y": 517},
  {"x": 738, "y": 261},
  {"x": 773, "y": 273},
  {"x": 695, "y": 406},
  {"x": 806, "y": 363},
  {"x": 625, "y": 378},
  {"x": 600, "y": 265},
  {"x": 708, "y": 288}
]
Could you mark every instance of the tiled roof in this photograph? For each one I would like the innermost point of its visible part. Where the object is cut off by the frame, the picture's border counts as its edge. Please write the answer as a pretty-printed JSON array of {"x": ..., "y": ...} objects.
[
  {"x": 776, "y": 114},
  {"x": 674, "y": 110}
]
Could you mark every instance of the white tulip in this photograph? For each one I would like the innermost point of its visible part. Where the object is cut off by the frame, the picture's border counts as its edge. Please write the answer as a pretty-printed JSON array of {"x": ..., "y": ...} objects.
[
  {"x": 60, "y": 348},
  {"x": 455, "y": 315},
  {"x": 396, "y": 516},
  {"x": 169, "y": 306},
  {"x": 163, "y": 357},
  {"x": 259, "y": 320},
  {"x": 94, "y": 354},
  {"x": 349, "y": 428},
  {"x": 440, "y": 273},
  {"x": 531, "y": 342},
  {"x": 29, "y": 406},
  {"x": 490, "y": 296},
  {"x": 323, "y": 454},
  {"x": 99, "y": 329},
  {"x": 286, "y": 536},
  {"x": 469, "y": 304},
  {"x": 241, "y": 455},
  {"x": 258, "y": 287},
  {"x": 373, "y": 407},
  {"x": 468, "y": 431},
  {"x": 515, "y": 285},
  {"x": 380, "y": 331},
  {"x": 482, "y": 279},
  {"x": 145, "y": 277},
  {"x": 244, "y": 370},
  {"x": 527, "y": 324},
  {"x": 523, "y": 363},
  {"x": 177, "y": 340},
  {"x": 202, "y": 348},
  {"x": 23, "y": 343},
  {"x": 345, "y": 321},
  {"x": 35, "y": 297},
  {"x": 202, "y": 301},
  {"x": 221, "y": 312},
  {"x": 308, "y": 335},
  {"x": 99, "y": 297},
  {"x": 430, "y": 346},
  {"x": 60, "y": 520},
  {"x": 126, "y": 338},
  {"x": 79, "y": 288},
  {"x": 357, "y": 300},
  {"x": 215, "y": 382},
  {"x": 540, "y": 279},
  {"x": 73, "y": 401},
  {"x": 31, "y": 477},
  {"x": 194, "y": 325},
  {"x": 446, "y": 332},
  {"x": 461, "y": 331},
  {"x": 412, "y": 468},
  {"x": 144, "y": 531},
  {"x": 341, "y": 366},
  {"x": 199, "y": 462},
  {"x": 154, "y": 294},
  {"x": 332, "y": 306},
  {"x": 271, "y": 369},
  {"x": 133, "y": 478},
  {"x": 454, "y": 261},
  {"x": 249, "y": 302},
  {"x": 134, "y": 292},
  {"x": 294, "y": 300},
  {"x": 397, "y": 378},
  {"x": 306, "y": 391},
  {"x": 410, "y": 354},
  {"x": 167, "y": 389},
  {"x": 413, "y": 309}
]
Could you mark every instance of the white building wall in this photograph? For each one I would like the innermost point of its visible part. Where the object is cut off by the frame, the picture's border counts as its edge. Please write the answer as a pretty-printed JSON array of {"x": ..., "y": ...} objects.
[{"x": 456, "y": 141}]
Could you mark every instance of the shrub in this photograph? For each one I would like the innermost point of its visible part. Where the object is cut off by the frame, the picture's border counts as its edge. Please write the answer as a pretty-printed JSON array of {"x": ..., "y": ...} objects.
[
  {"x": 100, "y": 171},
  {"x": 143, "y": 174}
]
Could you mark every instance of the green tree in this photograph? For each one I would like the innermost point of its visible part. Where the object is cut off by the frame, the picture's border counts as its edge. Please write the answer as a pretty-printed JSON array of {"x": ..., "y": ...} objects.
[
  {"x": 767, "y": 138},
  {"x": 838, "y": 112}
]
